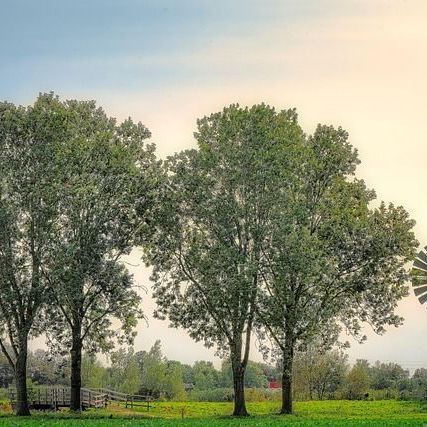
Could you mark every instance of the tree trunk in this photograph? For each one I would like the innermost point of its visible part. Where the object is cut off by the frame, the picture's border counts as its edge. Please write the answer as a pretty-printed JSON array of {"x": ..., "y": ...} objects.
[
  {"x": 21, "y": 382},
  {"x": 288, "y": 359},
  {"x": 239, "y": 389},
  {"x": 76, "y": 370}
]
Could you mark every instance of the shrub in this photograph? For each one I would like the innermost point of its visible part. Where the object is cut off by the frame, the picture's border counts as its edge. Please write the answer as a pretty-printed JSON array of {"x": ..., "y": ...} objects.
[{"x": 212, "y": 395}]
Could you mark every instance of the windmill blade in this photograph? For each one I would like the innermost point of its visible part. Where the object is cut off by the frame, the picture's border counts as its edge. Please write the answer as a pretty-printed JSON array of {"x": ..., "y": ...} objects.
[
  {"x": 419, "y": 276},
  {"x": 423, "y": 299},
  {"x": 422, "y": 256},
  {"x": 420, "y": 265},
  {"x": 418, "y": 280},
  {"x": 421, "y": 290}
]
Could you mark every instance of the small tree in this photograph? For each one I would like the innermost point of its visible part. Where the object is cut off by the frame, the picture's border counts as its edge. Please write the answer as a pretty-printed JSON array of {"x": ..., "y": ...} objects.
[
  {"x": 173, "y": 384},
  {"x": 125, "y": 371},
  {"x": 357, "y": 381},
  {"x": 153, "y": 369},
  {"x": 94, "y": 375},
  {"x": 320, "y": 373}
]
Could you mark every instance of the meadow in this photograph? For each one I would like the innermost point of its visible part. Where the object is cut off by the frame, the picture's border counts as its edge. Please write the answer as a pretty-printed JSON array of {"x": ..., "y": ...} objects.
[{"x": 207, "y": 414}]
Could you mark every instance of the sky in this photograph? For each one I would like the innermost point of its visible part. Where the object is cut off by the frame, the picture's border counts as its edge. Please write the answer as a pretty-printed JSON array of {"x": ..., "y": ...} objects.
[{"x": 359, "y": 64}]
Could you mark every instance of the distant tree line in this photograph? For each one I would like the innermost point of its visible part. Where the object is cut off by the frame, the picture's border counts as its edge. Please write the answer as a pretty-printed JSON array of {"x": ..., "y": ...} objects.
[
  {"x": 261, "y": 230},
  {"x": 317, "y": 376}
]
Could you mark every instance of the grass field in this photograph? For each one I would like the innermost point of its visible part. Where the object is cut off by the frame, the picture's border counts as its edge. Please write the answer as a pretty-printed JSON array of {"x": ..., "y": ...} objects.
[{"x": 201, "y": 414}]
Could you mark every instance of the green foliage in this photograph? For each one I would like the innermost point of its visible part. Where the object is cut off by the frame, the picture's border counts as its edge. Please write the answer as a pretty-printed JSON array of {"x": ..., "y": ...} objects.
[
  {"x": 94, "y": 375},
  {"x": 28, "y": 213},
  {"x": 47, "y": 368},
  {"x": 319, "y": 374},
  {"x": 146, "y": 372},
  {"x": 357, "y": 381},
  {"x": 154, "y": 369},
  {"x": 387, "y": 375},
  {"x": 205, "y": 375},
  {"x": 125, "y": 373},
  {"x": 211, "y": 395},
  {"x": 104, "y": 171},
  {"x": 255, "y": 374},
  {"x": 173, "y": 382}
]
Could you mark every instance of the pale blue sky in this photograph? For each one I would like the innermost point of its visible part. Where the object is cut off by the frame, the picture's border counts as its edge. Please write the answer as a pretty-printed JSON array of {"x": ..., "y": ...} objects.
[
  {"x": 356, "y": 63},
  {"x": 133, "y": 45}
]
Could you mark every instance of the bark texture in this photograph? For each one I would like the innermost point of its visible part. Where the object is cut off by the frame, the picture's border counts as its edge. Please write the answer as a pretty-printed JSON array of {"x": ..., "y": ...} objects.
[
  {"x": 21, "y": 383},
  {"x": 239, "y": 389},
  {"x": 288, "y": 360},
  {"x": 76, "y": 370}
]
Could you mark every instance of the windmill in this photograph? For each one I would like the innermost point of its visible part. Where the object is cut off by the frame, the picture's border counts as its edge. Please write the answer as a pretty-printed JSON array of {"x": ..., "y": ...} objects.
[{"x": 419, "y": 276}]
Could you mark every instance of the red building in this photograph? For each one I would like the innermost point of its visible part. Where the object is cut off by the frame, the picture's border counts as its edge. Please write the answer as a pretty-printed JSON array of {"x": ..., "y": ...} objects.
[{"x": 274, "y": 384}]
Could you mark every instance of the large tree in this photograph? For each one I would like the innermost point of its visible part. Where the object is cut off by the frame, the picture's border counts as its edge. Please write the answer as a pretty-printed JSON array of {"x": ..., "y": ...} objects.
[
  {"x": 107, "y": 175},
  {"x": 213, "y": 225},
  {"x": 28, "y": 213},
  {"x": 333, "y": 260}
]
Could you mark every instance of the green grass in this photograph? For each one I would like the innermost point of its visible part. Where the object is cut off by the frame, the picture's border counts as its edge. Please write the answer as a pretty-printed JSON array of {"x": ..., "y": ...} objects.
[{"x": 209, "y": 414}]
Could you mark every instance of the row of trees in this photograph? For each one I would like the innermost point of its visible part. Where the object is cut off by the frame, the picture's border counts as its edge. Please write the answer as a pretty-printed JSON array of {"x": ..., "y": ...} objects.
[
  {"x": 264, "y": 229},
  {"x": 317, "y": 374},
  {"x": 151, "y": 372},
  {"x": 261, "y": 229}
]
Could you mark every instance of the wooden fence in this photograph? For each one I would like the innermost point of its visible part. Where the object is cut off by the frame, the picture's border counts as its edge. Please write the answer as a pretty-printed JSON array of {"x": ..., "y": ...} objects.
[{"x": 44, "y": 397}]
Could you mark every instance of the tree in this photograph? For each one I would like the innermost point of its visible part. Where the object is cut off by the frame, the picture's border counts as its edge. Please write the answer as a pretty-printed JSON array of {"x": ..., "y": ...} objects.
[
  {"x": 107, "y": 173},
  {"x": 205, "y": 375},
  {"x": 333, "y": 261},
  {"x": 173, "y": 383},
  {"x": 320, "y": 372},
  {"x": 420, "y": 373},
  {"x": 94, "y": 375},
  {"x": 387, "y": 375},
  {"x": 212, "y": 227},
  {"x": 47, "y": 368},
  {"x": 187, "y": 374},
  {"x": 125, "y": 371},
  {"x": 358, "y": 381},
  {"x": 28, "y": 213},
  {"x": 153, "y": 369}
]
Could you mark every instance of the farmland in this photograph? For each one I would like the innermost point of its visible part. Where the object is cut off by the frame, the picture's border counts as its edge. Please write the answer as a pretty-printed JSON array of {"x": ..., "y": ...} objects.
[{"x": 168, "y": 414}]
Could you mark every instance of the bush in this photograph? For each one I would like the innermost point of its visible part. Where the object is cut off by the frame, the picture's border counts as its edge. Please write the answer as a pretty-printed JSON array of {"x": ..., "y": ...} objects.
[
  {"x": 212, "y": 395},
  {"x": 226, "y": 395},
  {"x": 262, "y": 394},
  {"x": 384, "y": 394},
  {"x": 4, "y": 394}
]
